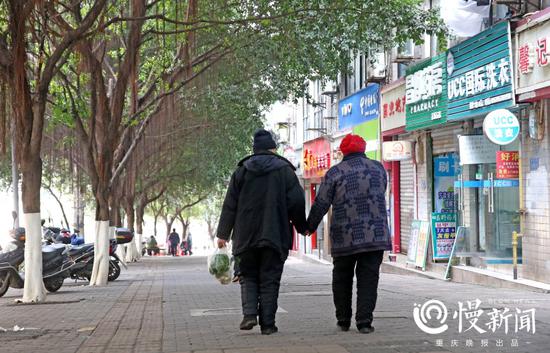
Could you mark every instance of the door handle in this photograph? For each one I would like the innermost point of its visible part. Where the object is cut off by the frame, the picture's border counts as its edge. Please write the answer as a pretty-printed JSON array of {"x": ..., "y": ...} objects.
[
  {"x": 491, "y": 195},
  {"x": 461, "y": 193}
]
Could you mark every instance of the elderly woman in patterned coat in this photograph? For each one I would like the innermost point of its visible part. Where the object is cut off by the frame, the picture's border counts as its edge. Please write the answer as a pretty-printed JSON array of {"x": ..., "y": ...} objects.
[{"x": 359, "y": 233}]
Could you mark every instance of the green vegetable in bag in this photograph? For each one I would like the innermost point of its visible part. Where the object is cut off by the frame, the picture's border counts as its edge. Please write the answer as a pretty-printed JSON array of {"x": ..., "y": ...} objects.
[{"x": 219, "y": 264}]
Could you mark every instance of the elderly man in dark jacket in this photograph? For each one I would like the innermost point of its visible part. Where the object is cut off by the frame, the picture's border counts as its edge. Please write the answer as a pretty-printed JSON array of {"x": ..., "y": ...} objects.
[
  {"x": 359, "y": 230},
  {"x": 263, "y": 202}
]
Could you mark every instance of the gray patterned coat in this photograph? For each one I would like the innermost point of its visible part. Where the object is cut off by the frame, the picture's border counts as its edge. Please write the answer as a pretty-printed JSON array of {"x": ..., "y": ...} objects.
[{"x": 356, "y": 190}]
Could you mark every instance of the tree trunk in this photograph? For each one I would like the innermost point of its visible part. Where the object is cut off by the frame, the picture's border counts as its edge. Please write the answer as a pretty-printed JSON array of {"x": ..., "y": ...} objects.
[
  {"x": 131, "y": 248},
  {"x": 31, "y": 170},
  {"x": 78, "y": 202},
  {"x": 155, "y": 222},
  {"x": 100, "y": 269},
  {"x": 140, "y": 213},
  {"x": 14, "y": 181},
  {"x": 61, "y": 207}
]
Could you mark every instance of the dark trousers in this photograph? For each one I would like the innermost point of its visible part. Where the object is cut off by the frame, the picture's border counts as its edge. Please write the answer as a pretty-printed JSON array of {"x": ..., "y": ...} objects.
[
  {"x": 173, "y": 249},
  {"x": 260, "y": 279},
  {"x": 366, "y": 266}
]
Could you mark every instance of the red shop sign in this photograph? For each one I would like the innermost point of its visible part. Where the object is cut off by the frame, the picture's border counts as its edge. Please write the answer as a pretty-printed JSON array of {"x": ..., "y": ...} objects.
[
  {"x": 316, "y": 158},
  {"x": 507, "y": 165}
]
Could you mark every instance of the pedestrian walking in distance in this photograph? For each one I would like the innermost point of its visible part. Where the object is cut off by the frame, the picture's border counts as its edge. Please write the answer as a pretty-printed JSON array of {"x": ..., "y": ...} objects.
[
  {"x": 359, "y": 230},
  {"x": 264, "y": 200},
  {"x": 174, "y": 240}
]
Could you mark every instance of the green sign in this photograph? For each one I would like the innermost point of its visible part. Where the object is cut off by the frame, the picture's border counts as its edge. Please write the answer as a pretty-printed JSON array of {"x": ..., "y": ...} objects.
[
  {"x": 369, "y": 131},
  {"x": 480, "y": 74},
  {"x": 426, "y": 94},
  {"x": 443, "y": 234}
]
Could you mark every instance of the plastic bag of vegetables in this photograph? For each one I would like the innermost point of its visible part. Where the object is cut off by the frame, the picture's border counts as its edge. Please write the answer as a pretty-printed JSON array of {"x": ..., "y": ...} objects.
[{"x": 220, "y": 265}]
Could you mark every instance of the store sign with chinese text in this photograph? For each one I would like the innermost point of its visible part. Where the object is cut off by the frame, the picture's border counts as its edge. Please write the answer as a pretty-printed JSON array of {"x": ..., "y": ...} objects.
[
  {"x": 507, "y": 165},
  {"x": 396, "y": 151},
  {"x": 480, "y": 75},
  {"x": 316, "y": 158},
  {"x": 443, "y": 234},
  {"x": 501, "y": 127},
  {"x": 360, "y": 107},
  {"x": 426, "y": 94},
  {"x": 533, "y": 60},
  {"x": 393, "y": 107}
]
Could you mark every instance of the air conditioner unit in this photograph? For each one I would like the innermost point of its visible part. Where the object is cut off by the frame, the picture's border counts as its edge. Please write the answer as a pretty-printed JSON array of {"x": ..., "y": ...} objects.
[
  {"x": 405, "y": 52},
  {"x": 377, "y": 67}
]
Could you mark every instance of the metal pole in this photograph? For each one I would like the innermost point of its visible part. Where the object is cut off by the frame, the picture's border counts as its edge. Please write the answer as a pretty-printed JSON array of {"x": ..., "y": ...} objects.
[{"x": 515, "y": 236}]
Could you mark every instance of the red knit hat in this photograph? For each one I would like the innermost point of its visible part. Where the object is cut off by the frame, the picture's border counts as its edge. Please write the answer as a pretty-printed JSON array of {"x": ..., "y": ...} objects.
[{"x": 353, "y": 144}]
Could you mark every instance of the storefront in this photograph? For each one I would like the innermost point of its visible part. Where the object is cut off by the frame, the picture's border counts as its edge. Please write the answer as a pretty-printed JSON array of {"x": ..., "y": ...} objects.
[
  {"x": 533, "y": 86},
  {"x": 425, "y": 114},
  {"x": 316, "y": 160},
  {"x": 397, "y": 158},
  {"x": 481, "y": 98}
]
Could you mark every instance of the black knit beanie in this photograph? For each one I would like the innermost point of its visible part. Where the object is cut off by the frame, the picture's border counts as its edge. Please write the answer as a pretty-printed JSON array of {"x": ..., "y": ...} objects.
[{"x": 263, "y": 141}]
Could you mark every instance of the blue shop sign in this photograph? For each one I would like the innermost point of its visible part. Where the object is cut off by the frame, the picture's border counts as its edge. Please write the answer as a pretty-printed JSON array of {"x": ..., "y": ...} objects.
[
  {"x": 480, "y": 74},
  {"x": 445, "y": 166},
  {"x": 360, "y": 107}
]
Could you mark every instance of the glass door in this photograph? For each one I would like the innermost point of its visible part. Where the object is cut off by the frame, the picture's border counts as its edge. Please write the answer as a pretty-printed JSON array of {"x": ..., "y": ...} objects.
[{"x": 489, "y": 205}]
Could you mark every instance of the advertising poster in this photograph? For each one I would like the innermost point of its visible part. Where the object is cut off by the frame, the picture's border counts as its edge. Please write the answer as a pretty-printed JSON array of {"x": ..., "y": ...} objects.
[
  {"x": 445, "y": 171},
  {"x": 418, "y": 243},
  {"x": 369, "y": 132},
  {"x": 422, "y": 245},
  {"x": 443, "y": 234},
  {"x": 413, "y": 241},
  {"x": 507, "y": 165}
]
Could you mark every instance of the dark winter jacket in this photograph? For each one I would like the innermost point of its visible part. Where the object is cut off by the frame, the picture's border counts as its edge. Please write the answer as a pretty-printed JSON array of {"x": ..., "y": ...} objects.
[
  {"x": 356, "y": 190},
  {"x": 174, "y": 238},
  {"x": 263, "y": 201}
]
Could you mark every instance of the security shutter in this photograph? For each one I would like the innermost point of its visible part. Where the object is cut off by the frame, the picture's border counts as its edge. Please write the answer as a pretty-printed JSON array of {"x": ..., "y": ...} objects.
[
  {"x": 406, "y": 184},
  {"x": 445, "y": 140}
]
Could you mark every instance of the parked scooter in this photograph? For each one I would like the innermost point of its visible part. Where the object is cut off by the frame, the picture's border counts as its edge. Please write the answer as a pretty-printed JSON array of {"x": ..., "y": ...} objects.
[
  {"x": 83, "y": 256},
  {"x": 56, "y": 264}
]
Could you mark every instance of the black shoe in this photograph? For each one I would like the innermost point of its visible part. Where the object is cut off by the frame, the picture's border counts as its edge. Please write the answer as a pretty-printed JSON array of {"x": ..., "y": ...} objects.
[
  {"x": 249, "y": 321},
  {"x": 269, "y": 330},
  {"x": 343, "y": 325},
  {"x": 365, "y": 328}
]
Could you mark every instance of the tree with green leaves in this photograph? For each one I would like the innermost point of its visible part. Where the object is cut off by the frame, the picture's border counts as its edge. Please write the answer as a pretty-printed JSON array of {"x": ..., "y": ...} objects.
[{"x": 32, "y": 50}]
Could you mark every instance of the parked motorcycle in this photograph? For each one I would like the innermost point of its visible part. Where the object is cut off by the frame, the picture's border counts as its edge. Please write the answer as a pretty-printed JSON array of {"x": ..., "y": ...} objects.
[
  {"x": 83, "y": 256},
  {"x": 56, "y": 264}
]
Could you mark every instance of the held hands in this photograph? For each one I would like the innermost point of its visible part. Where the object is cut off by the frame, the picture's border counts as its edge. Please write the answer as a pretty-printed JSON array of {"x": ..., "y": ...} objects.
[{"x": 222, "y": 243}]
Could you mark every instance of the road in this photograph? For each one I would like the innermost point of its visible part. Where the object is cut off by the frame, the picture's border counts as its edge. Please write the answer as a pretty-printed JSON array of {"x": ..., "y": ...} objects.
[{"x": 165, "y": 304}]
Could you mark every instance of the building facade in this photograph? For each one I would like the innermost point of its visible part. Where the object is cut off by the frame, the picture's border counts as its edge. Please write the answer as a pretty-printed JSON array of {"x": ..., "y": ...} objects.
[{"x": 463, "y": 134}]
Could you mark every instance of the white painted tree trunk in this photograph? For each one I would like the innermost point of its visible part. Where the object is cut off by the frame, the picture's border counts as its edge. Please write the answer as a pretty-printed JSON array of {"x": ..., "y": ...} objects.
[
  {"x": 139, "y": 244},
  {"x": 100, "y": 271},
  {"x": 121, "y": 252},
  {"x": 131, "y": 252},
  {"x": 34, "y": 290}
]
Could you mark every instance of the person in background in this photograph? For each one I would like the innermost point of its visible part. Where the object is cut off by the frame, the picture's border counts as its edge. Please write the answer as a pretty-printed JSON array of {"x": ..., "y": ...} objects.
[
  {"x": 264, "y": 200},
  {"x": 189, "y": 243},
  {"x": 152, "y": 246},
  {"x": 173, "y": 241},
  {"x": 359, "y": 232}
]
